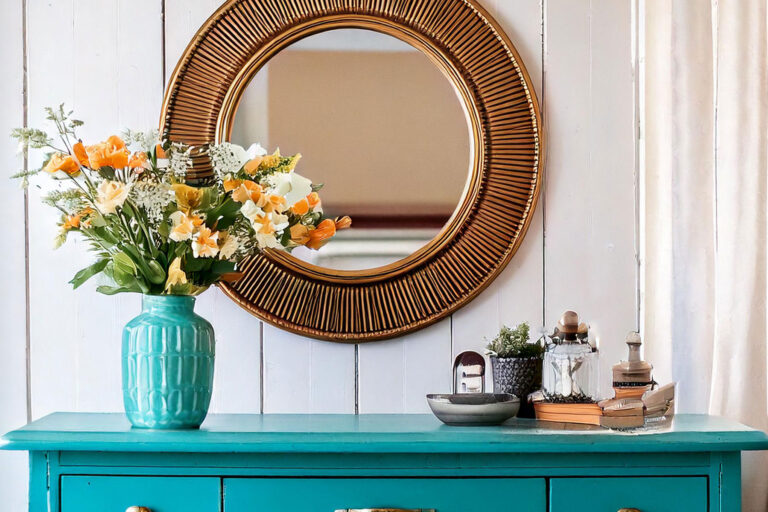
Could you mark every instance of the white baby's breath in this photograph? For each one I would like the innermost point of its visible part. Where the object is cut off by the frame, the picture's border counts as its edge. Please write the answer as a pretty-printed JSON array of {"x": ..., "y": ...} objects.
[
  {"x": 153, "y": 198},
  {"x": 144, "y": 141},
  {"x": 179, "y": 159},
  {"x": 228, "y": 158}
]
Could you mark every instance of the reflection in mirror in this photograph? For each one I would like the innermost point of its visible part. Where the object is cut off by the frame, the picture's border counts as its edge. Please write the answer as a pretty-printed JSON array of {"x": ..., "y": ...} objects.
[{"x": 379, "y": 125}]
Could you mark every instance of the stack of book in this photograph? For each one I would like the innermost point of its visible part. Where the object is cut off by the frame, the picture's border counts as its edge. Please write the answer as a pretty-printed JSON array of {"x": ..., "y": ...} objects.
[{"x": 613, "y": 413}]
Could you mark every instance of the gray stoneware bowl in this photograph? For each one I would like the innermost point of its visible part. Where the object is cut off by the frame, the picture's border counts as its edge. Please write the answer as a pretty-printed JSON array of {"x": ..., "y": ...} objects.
[{"x": 474, "y": 408}]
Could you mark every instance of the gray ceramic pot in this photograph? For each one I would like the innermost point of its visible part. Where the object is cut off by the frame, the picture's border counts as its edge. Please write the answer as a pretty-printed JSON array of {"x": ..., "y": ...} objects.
[{"x": 519, "y": 376}]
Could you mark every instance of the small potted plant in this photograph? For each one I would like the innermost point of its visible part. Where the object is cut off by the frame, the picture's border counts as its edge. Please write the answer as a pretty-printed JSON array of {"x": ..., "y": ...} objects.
[{"x": 516, "y": 364}]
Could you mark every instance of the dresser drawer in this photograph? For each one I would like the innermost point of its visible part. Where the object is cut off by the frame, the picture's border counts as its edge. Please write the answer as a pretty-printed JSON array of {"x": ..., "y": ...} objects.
[
  {"x": 159, "y": 494},
  {"x": 331, "y": 494},
  {"x": 646, "y": 494}
]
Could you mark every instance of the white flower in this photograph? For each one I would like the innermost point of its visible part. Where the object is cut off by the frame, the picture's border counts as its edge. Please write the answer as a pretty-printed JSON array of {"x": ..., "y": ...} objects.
[
  {"x": 146, "y": 141},
  {"x": 267, "y": 241},
  {"x": 250, "y": 211},
  {"x": 183, "y": 227},
  {"x": 227, "y": 158},
  {"x": 111, "y": 195},
  {"x": 280, "y": 221},
  {"x": 179, "y": 159},
  {"x": 205, "y": 244},
  {"x": 294, "y": 187}
]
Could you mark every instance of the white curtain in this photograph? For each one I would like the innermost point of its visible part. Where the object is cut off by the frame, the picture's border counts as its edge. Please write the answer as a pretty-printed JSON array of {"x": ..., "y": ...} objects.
[{"x": 705, "y": 130}]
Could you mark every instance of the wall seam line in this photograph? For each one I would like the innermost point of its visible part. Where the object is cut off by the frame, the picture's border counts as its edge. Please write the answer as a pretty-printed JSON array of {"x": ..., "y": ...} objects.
[
  {"x": 25, "y": 123},
  {"x": 162, "y": 42},
  {"x": 357, "y": 378},
  {"x": 261, "y": 367},
  {"x": 542, "y": 108}
]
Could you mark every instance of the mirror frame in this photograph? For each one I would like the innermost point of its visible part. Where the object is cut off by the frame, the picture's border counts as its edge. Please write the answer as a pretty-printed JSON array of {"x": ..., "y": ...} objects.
[{"x": 502, "y": 190}]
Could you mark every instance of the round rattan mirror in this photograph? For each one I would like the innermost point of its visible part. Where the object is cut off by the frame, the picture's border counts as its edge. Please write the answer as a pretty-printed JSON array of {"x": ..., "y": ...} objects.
[{"x": 473, "y": 241}]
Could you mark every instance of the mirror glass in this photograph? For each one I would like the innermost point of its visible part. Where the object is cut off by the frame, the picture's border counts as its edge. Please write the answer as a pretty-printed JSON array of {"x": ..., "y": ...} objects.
[{"x": 379, "y": 125}]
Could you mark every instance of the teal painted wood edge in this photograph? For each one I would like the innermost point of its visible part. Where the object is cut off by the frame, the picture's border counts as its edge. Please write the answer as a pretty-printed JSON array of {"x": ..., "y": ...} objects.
[{"x": 373, "y": 434}]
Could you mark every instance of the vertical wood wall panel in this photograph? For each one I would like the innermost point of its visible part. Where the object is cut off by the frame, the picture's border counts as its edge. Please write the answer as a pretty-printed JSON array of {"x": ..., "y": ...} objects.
[
  {"x": 53, "y": 306},
  {"x": 590, "y": 197},
  {"x": 13, "y": 376},
  {"x": 110, "y": 70},
  {"x": 395, "y": 375},
  {"x": 516, "y": 295},
  {"x": 306, "y": 375},
  {"x": 112, "y": 79}
]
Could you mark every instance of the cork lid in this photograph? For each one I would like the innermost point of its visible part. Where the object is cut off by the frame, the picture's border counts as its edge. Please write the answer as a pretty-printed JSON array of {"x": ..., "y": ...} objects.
[
  {"x": 634, "y": 368},
  {"x": 569, "y": 323}
]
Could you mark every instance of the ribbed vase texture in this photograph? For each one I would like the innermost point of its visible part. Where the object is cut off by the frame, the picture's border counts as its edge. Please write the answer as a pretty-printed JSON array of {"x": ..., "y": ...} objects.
[
  {"x": 519, "y": 376},
  {"x": 168, "y": 355}
]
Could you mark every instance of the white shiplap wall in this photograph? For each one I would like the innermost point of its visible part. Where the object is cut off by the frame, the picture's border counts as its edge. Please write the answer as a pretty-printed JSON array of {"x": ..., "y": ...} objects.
[{"x": 108, "y": 59}]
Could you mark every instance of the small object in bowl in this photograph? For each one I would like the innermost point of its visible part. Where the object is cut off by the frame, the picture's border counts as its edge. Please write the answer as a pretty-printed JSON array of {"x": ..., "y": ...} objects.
[{"x": 474, "y": 409}]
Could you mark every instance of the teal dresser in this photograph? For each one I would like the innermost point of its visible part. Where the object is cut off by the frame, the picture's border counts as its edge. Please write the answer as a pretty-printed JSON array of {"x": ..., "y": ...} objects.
[{"x": 328, "y": 463}]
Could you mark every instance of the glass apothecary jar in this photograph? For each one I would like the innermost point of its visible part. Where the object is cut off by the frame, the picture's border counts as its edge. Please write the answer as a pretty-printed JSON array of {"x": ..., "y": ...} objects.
[{"x": 571, "y": 366}]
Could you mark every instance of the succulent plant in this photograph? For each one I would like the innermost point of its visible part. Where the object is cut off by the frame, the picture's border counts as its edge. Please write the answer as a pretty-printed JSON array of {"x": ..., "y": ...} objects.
[{"x": 514, "y": 343}]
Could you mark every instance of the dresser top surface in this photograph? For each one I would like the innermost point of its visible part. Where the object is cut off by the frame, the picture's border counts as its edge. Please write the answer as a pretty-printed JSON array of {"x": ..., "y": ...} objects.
[{"x": 374, "y": 433}]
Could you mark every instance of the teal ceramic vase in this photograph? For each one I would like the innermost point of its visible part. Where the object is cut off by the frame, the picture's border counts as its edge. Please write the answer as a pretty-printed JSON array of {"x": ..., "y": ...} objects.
[{"x": 168, "y": 354}]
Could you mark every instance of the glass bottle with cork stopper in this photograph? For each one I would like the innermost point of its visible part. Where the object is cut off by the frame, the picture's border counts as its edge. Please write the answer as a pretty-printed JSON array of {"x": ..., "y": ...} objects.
[
  {"x": 632, "y": 378},
  {"x": 570, "y": 373}
]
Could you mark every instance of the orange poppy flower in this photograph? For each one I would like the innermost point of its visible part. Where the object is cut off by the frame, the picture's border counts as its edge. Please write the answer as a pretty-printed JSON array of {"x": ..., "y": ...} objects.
[
  {"x": 80, "y": 155},
  {"x": 231, "y": 184},
  {"x": 111, "y": 153},
  {"x": 299, "y": 234},
  {"x": 319, "y": 236},
  {"x": 138, "y": 161},
  {"x": 64, "y": 163},
  {"x": 71, "y": 222},
  {"x": 301, "y": 207},
  {"x": 313, "y": 200},
  {"x": 343, "y": 222}
]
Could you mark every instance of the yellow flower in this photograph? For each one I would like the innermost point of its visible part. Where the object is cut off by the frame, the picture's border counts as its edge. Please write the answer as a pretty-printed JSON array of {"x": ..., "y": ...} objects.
[
  {"x": 227, "y": 245},
  {"x": 188, "y": 198},
  {"x": 268, "y": 161},
  {"x": 205, "y": 243},
  {"x": 111, "y": 195},
  {"x": 175, "y": 275},
  {"x": 299, "y": 234}
]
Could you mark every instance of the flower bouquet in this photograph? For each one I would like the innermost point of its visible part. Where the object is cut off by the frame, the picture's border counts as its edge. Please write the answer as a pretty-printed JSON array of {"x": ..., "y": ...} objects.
[{"x": 154, "y": 233}]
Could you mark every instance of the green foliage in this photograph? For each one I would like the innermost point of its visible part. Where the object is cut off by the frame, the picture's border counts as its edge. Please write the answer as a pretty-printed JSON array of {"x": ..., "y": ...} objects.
[{"x": 514, "y": 343}]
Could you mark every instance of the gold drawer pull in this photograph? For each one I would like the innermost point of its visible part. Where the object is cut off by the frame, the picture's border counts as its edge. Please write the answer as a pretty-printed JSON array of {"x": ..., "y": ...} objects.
[
  {"x": 137, "y": 509},
  {"x": 386, "y": 510},
  {"x": 628, "y": 510}
]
